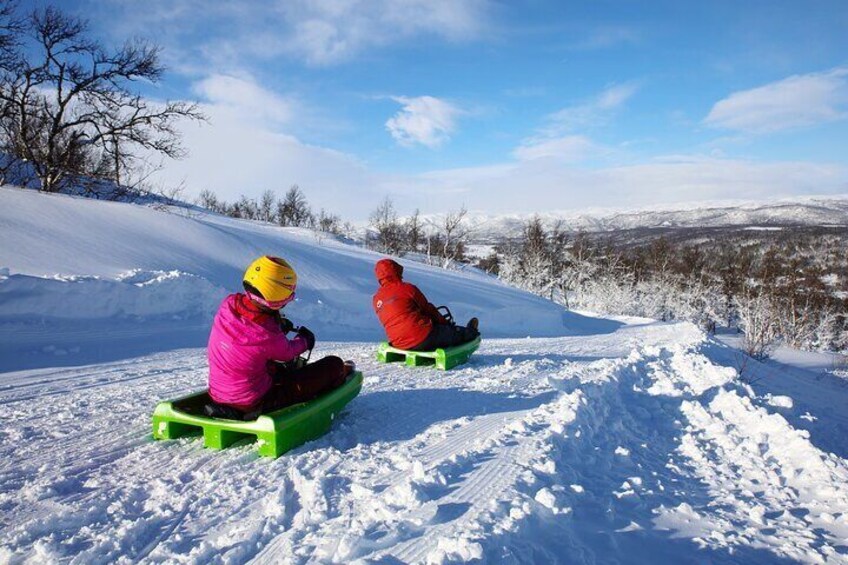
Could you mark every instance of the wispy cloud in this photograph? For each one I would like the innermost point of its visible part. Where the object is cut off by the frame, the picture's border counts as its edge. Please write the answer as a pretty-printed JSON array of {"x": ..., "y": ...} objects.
[
  {"x": 558, "y": 139},
  {"x": 329, "y": 31},
  {"x": 243, "y": 96},
  {"x": 797, "y": 101},
  {"x": 570, "y": 148},
  {"x": 247, "y": 148},
  {"x": 317, "y": 32},
  {"x": 552, "y": 185},
  {"x": 594, "y": 112},
  {"x": 605, "y": 37},
  {"x": 238, "y": 155},
  {"x": 423, "y": 120}
]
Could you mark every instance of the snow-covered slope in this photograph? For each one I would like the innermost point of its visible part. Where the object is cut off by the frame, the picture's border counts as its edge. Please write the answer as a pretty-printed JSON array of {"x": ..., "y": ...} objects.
[
  {"x": 637, "y": 446},
  {"x": 85, "y": 280},
  {"x": 625, "y": 441},
  {"x": 809, "y": 211}
]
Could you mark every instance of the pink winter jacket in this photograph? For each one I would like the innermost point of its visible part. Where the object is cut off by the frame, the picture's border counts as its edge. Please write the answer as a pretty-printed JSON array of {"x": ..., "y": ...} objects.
[{"x": 242, "y": 342}]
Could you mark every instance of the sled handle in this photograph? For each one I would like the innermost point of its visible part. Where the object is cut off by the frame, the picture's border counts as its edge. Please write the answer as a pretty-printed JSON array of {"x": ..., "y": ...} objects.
[
  {"x": 447, "y": 313},
  {"x": 309, "y": 351}
]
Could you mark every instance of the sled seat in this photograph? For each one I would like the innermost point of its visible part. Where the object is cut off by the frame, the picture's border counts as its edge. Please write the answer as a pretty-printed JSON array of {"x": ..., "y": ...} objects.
[
  {"x": 442, "y": 358},
  {"x": 275, "y": 432}
]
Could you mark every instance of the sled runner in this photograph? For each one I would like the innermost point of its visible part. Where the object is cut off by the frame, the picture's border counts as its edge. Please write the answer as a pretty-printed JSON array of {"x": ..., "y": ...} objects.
[
  {"x": 275, "y": 432},
  {"x": 443, "y": 358}
]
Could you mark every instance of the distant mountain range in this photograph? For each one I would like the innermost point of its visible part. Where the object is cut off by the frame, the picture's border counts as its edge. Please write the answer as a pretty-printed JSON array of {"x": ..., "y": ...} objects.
[{"x": 829, "y": 211}]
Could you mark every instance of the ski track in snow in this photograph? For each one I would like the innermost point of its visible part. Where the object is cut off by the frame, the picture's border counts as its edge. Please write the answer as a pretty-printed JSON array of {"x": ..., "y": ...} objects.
[{"x": 626, "y": 447}]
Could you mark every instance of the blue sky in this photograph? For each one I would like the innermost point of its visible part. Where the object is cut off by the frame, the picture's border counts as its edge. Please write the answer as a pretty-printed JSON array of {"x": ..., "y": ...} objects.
[{"x": 501, "y": 106}]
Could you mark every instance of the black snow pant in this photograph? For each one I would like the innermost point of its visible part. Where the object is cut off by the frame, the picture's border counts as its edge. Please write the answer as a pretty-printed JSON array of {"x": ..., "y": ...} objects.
[
  {"x": 292, "y": 386},
  {"x": 446, "y": 335}
]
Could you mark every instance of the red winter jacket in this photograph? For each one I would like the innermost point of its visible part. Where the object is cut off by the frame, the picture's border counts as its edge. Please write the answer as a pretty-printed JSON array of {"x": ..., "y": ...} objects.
[{"x": 403, "y": 310}]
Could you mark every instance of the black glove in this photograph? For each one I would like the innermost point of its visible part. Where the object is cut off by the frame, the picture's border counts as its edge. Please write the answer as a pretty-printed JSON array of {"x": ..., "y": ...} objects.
[
  {"x": 306, "y": 334},
  {"x": 286, "y": 325}
]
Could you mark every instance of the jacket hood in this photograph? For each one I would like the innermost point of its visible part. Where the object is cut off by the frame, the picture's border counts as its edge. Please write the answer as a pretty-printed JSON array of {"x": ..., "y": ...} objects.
[
  {"x": 388, "y": 270},
  {"x": 241, "y": 319}
]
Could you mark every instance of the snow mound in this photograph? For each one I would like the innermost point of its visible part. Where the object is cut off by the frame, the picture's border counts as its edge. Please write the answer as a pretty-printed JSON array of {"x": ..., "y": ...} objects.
[{"x": 135, "y": 295}]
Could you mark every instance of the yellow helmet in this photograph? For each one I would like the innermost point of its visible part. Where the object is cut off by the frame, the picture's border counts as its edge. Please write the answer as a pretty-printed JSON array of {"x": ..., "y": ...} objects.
[{"x": 272, "y": 277}]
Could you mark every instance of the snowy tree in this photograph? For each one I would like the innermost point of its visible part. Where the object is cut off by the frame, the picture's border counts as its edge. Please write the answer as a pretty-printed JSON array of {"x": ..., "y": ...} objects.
[{"x": 758, "y": 321}]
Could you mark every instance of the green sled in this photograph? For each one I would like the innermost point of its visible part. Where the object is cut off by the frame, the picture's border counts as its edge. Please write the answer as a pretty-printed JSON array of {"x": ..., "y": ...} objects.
[
  {"x": 275, "y": 432},
  {"x": 443, "y": 359}
]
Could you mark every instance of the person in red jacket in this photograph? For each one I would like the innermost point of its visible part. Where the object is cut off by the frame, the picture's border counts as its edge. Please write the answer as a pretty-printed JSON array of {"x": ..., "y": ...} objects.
[{"x": 409, "y": 319}]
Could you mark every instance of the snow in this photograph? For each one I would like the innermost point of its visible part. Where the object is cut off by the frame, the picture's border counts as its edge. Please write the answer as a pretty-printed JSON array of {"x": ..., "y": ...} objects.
[
  {"x": 143, "y": 279},
  {"x": 593, "y": 441},
  {"x": 779, "y": 401}
]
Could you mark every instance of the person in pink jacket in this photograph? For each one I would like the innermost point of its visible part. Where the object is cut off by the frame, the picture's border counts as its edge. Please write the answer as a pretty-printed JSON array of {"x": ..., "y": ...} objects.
[{"x": 250, "y": 354}]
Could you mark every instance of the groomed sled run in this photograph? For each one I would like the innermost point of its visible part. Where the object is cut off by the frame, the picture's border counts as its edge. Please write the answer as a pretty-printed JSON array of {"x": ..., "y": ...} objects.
[{"x": 635, "y": 446}]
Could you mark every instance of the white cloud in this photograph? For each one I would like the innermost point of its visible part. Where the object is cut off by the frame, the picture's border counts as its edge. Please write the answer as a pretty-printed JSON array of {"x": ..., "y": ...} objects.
[
  {"x": 569, "y": 148},
  {"x": 245, "y": 149},
  {"x": 797, "y": 101},
  {"x": 235, "y": 155},
  {"x": 317, "y": 32},
  {"x": 543, "y": 184},
  {"x": 328, "y": 31},
  {"x": 424, "y": 120},
  {"x": 245, "y": 97},
  {"x": 555, "y": 139},
  {"x": 232, "y": 156},
  {"x": 594, "y": 112}
]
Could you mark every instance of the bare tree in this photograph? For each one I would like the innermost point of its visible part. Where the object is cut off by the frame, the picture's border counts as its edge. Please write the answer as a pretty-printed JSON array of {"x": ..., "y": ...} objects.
[
  {"x": 328, "y": 223},
  {"x": 293, "y": 209},
  {"x": 389, "y": 237},
  {"x": 70, "y": 110},
  {"x": 413, "y": 231},
  {"x": 447, "y": 245},
  {"x": 247, "y": 207},
  {"x": 210, "y": 201},
  {"x": 11, "y": 27},
  {"x": 267, "y": 207}
]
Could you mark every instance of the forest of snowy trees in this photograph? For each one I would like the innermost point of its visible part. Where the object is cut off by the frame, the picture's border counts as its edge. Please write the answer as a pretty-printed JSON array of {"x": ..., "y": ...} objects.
[{"x": 792, "y": 287}]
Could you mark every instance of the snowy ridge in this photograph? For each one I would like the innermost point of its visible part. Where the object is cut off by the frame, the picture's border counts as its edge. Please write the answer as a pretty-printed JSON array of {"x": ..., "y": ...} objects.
[
  {"x": 809, "y": 211},
  {"x": 635, "y": 446}
]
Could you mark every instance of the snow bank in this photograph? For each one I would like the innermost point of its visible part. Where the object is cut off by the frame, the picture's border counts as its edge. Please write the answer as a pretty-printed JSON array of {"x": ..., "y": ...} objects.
[
  {"x": 104, "y": 263},
  {"x": 136, "y": 294}
]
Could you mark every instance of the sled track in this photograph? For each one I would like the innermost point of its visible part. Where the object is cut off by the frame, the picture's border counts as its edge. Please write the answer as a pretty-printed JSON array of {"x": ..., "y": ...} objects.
[
  {"x": 483, "y": 484},
  {"x": 85, "y": 378},
  {"x": 479, "y": 463}
]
